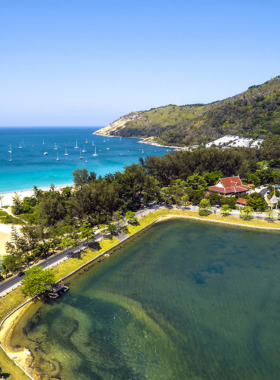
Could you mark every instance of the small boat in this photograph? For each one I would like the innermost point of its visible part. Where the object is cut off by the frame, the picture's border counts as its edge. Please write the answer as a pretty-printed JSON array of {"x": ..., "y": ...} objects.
[
  {"x": 10, "y": 151},
  {"x": 85, "y": 160},
  {"x": 43, "y": 142},
  {"x": 92, "y": 143},
  {"x": 76, "y": 147},
  {"x": 45, "y": 153},
  {"x": 84, "y": 151},
  {"x": 66, "y": 145},
  {"x": 108, "y": 148},
  {"x": 121, "y": 154},
  {"x": 99, "y": 150},
  {"x": 10, "y": 158},
  {"x": 142, "y": 151},
  {"x": 104, "y": 140},
  {"x": 81, "y": 157},
  {"x": 20, "y": 147},
  {"x": 57, "y": 159},
  {"x": 95, "y": 154},
  {"x": 86, "y": 141},
  {"x": 55, "y": 147},
  {"x": 66, "y": 154}
]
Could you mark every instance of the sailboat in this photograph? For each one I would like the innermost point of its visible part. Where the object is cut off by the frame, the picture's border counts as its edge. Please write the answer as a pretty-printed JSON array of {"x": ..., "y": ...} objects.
[
  {"x": 20, "y": 147},
  {"x": 81, "y": 157},
  {"x": 84, "y": 151},
  {"x": 57, "y": 159},
  {"x": 10, "y": 158},
  {"x": 10, "y": 151},
  {"x": 55, "y": 147},
  {"x": 92, "y": 143},
  {"x": 86, "y": 141},
  {"x": 95, "y": 154},
  {"x": 85, "y": 160},
  {"x": 76, "y": 147},
  {"x": 142, "y": 151},
  {"x": 43, "y": 142},
  {"x": 66, "y": 154}
]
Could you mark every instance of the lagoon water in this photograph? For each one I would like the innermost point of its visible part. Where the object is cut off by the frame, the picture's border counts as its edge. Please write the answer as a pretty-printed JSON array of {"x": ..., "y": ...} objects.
[
  {"x": 30, "y": 166},
  {"x": 183, "y": 300}
]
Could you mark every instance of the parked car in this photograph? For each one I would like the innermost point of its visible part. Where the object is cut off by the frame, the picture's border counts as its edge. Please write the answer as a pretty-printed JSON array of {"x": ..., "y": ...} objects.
[{"x": 20, "y": 274}]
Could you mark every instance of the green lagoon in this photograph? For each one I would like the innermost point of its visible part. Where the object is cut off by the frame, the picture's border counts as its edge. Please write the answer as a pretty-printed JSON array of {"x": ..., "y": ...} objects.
[{"x": 183, "y": 300}]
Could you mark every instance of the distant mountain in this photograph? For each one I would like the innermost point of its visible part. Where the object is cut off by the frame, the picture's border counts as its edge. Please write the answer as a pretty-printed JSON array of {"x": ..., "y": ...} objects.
[{"x": 254, "y": 113}]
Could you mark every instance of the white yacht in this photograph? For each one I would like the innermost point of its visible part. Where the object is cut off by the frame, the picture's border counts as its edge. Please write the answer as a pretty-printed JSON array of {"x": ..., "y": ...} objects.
[
  {"x": 57, "y": 159},
  {"x": 43, "y": 142},
  {"x": 10, "y": 158},
  {"x": 20, "y": 147},
  {"x": 76, "y": 147},
  {"x": 45, "y": 153},
  {"x": 86, "y": 141},
  {"x": 10, "y": 151},
  {"x": 66, "y": 154},
  {"x": 55, "y": 147},
  {"x": 92, "y": 143},
  {"x": 84, "y": 151},
  {"x": 81, "y": 157},
  {"x": 95, "y": 154}
]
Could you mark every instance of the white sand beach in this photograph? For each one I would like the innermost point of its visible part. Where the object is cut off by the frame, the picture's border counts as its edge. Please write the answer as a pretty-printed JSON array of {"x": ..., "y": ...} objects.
[{"x": 7, "y": 200}]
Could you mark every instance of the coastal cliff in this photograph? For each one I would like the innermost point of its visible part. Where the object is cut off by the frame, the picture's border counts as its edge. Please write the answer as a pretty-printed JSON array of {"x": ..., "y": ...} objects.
[{"x": 254, "y": 113}]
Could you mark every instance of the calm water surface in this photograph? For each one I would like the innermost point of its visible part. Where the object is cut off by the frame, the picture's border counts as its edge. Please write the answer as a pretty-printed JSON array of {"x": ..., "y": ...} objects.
[
  {"x": 185, "y": 300},
  {"x": 29, "y": 165}
]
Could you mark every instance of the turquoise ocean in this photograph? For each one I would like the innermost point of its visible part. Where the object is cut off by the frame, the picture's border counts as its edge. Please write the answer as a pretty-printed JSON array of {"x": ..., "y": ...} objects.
[{"x": 29, "y": 165}]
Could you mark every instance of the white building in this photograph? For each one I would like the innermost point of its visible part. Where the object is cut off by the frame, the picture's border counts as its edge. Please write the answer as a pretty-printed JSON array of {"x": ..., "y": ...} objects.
[
  {"x": 257, "y": 143},
  {"x": 223, "y": 140},
  {"x": 241, "y": 142}
]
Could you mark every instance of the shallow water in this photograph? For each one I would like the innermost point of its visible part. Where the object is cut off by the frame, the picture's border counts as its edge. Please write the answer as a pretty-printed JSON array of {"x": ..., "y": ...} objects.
[
  {"x": 183, "y": 300},
  {"x": 29, "y": 165}
]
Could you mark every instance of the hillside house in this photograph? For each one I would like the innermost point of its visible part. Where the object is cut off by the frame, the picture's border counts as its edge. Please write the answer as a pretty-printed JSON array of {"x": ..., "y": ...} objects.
[{"x": 230, "y": 186}]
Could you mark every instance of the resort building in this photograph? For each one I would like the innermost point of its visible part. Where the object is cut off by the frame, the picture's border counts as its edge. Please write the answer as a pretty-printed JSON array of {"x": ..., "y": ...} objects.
[
  {"x": 230, "y": 186},
  {"x": 241, "y": 202}
]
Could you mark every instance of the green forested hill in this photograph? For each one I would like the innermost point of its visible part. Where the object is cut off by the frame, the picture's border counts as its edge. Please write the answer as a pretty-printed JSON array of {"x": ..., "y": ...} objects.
[{"x": 254, "y": 113}]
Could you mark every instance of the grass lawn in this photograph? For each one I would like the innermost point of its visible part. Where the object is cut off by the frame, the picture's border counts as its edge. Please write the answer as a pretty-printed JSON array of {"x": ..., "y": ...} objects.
[
  {"x": 69, "y": 266},
  {"x": 193, "y": 214}
]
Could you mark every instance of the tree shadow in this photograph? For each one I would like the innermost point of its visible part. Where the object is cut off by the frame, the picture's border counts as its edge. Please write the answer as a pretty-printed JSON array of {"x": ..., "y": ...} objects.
[{"x": 94, "y": 246}]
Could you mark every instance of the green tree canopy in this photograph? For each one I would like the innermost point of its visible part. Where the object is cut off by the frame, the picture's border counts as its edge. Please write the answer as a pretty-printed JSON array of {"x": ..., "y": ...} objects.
[
  {"x": 225, "y": 210},
  {"x": 131, "y": 217},
  {"x": 196, "y": 182},
  {"x": 80, "y": 177},
  {"x": 246, "y": 212},
  {"x": 87, "y": 232},
  {"x": 257, "y": 202},
  {"x": 38, "y": 281}
]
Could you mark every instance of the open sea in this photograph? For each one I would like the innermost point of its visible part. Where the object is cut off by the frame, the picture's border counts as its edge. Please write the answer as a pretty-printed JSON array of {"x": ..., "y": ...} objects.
[{"x": 29, "y": 165}]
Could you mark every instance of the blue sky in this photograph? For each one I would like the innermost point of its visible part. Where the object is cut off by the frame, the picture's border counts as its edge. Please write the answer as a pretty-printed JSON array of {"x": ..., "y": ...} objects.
[{"x": 87, "y": 62}]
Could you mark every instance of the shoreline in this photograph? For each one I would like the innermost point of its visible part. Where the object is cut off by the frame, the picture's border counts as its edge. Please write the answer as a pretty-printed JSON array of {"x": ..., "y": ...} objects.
[
  {"x": 21, "y": 358},
  {"x": 8, "y": 196},
  {"x": 143, "y": 141}
]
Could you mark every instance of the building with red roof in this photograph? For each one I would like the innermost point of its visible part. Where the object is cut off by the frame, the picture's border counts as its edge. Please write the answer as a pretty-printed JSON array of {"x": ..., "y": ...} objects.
[
  {"x": 229, "y": 186},
  {"x": 241, "y": 202}
]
